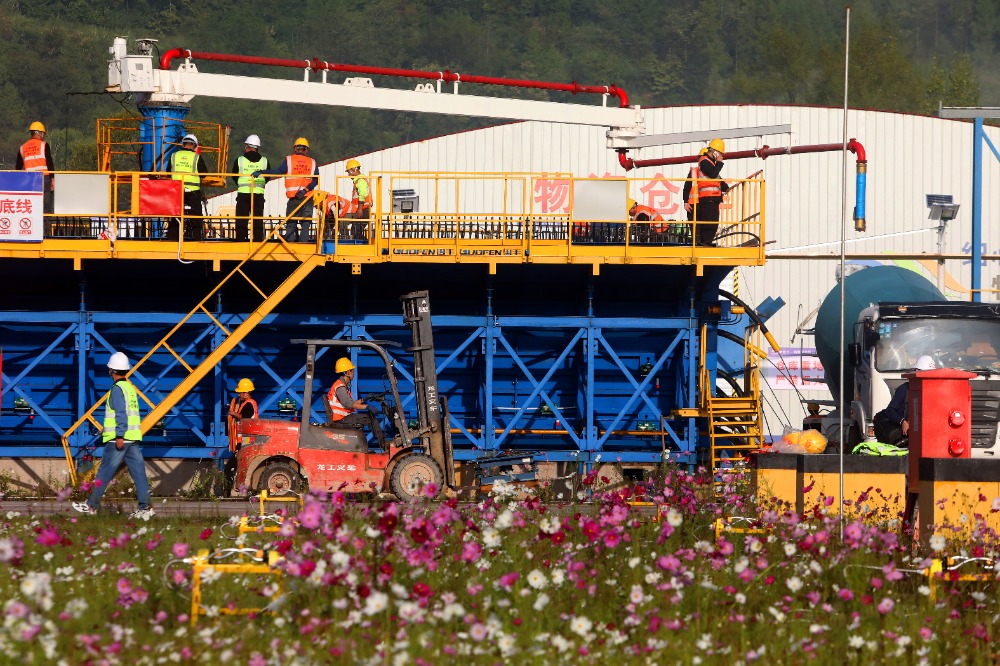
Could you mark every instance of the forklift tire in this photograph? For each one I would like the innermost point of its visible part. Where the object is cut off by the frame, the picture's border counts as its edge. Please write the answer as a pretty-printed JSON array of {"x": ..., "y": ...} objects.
[
  {"x": 412, "y": 473},
  {"x": 280, "y": 478}
]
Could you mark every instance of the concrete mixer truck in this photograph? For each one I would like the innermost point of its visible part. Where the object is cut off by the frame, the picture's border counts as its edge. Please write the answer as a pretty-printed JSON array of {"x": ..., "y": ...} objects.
[{"x": 892, "y": 316}]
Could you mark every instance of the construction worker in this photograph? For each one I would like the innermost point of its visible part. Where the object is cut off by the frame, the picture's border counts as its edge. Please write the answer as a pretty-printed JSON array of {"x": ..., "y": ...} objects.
[
  {"x": 240, "y": 408},
  {"x": 36, "y": 155},
  {"x": 690, "y": 193},
  {"x": 301, "y": 176},
  {"x": 709, "y": 193},
  {"x": 360, "y": 207},
  {"x": 639, "y": 213},
  {"x": 187, "y": 164},
  {"x": 892, "y": 424},
  {"x": 122, "y": 435},
  {"x": 344, "y": 409},
  {"x": 249, "y": 190}
]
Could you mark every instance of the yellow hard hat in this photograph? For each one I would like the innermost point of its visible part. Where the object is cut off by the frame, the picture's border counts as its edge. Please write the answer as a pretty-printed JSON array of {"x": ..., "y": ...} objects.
[
  {"x": 301, "y": 141},
  {"x": 352, "y": 164},
  {"x": 343, "y": 365},
  {"x": 703, "y": 151},
  {"x": 244, "y": 386},
  {"x": 717, "y": 144},
  {"x": 631, "y": 204},
  {"x": 36, "y": 126}
]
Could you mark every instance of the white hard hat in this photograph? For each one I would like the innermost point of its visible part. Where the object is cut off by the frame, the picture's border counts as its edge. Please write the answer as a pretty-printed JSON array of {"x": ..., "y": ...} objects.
[
  {"x": 253, "y": 140},
  {"x": 119, "y": 361},
  {"x": 925, "y": 363},
  {"x": 190, "y": 137}
]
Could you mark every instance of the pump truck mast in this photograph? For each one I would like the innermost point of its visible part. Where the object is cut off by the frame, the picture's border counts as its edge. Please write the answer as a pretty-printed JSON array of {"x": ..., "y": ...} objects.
[{"x": 281, "y": 456}]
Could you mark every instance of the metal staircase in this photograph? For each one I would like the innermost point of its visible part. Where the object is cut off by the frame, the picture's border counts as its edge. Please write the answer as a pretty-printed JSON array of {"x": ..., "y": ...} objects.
[
  {"x": 198, "y": 369},
  {"x": 734, "y": 422}
]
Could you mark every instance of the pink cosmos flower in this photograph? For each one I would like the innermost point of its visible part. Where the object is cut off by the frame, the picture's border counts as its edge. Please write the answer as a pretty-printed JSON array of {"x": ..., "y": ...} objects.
[
  {"x": 611, "y": 539},
  {"x": 98, "y": 483},
  {"x": 508, "y": 579},
  {"x": 886, "y": 605},
  {"x": 180, "y": 550},
  {"x": 48, "y": 537},
  {"x": 845, "y": 594}
]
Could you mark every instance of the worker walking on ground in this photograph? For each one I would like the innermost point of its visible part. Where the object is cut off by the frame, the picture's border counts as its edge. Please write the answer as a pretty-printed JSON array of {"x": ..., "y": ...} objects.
[
  {"x": 639, "y": 213},
  {"x": 709, "y": 192},
  {"x": 36, "y": 155},
  {"x": 301, "y": 176},
  {"x": 241, "y": 408},
  {"x": 344, "y": 408},
  {"x": 187, "y": 166},
  {"x": 250, "y": 190},
  {"x": 892, "y": 424},
  {"x": 360, "y": 207},
  {"x": 122, "y": 435}
]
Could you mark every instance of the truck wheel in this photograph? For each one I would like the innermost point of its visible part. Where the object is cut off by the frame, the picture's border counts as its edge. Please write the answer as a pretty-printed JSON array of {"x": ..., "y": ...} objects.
[
  {"x": 280, "y": 478},
  {"x": 412, "y": 473}
]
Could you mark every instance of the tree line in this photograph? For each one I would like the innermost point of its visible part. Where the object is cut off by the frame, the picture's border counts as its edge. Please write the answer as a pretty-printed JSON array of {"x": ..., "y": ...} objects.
[{"x": 905, "y": 56}]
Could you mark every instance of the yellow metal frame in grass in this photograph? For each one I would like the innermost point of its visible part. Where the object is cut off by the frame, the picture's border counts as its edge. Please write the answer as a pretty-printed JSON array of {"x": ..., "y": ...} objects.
[
  {"x": 266, "y": 564},
  {"x": 938, "y": 571},
  {"x": 258, "y": 520},
  {"x": 657, "y": 517},
  {"x": 726, "y": 525}
]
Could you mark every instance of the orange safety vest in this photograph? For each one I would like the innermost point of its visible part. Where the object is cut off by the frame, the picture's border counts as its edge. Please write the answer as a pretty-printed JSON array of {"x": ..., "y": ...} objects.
[
  {"x": 653, "y": 216},
  {"x": 707, "y": 188},
  {"x": 694, "y": 174},
  {"x": 233, "y": 425},
  {"x": 33, "y": 155},
  {"x": 300, "y": 174},
  {"x": 339, "y": 411}
]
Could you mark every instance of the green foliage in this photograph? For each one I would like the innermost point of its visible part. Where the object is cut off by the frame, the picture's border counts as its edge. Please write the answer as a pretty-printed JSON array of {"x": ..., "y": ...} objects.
[{"x": 905, "y": 56}]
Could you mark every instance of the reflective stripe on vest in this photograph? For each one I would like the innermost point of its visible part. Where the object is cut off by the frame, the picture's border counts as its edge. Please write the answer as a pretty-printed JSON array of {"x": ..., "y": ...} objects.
[
  {"x": 337, "y": 409},
  {"x": 708, "y": 188},
  {"x": 133, "y": 432},
  {"x": 184, "y": 164},
  {"x": 33, "y": 155},
  {"x": 298, "y": 166},
  {"x": 246, "y": 167},
  {"x": 653, "y": 216},
  {"x": 694, "y": 174}
]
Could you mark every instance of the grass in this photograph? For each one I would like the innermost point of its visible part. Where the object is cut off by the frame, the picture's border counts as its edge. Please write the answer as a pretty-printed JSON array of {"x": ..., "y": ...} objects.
[{"x": 502, "y": 581}]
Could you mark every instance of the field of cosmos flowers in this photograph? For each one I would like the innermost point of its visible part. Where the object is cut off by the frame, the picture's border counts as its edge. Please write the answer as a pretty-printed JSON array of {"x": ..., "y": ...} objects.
[{"x": 510, "y": 579}]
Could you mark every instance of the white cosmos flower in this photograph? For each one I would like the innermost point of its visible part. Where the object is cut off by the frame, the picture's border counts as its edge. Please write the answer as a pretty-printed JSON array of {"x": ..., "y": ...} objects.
[
  {"x": 636, "y": 596},
  {"x": 541, "y": 601},
  {"x": 376, "y": 603},
  {"x": 558, "y": 576},
  {"x": 789, "y": 549},
  {"x": 938, "y": 542},
  {"x": 674, "y": 517},
  {"x": 856, "y": 642},
  {"x": 794, "y": 584},
  {"x": 491, "y": 538},
  {"x": 581, "y": 626},
  {"x": 504, "y": 520},
  {"x": 537, "y": 579}
]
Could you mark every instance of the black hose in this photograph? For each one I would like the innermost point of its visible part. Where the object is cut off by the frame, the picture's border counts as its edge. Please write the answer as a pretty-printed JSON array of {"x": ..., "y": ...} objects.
[{"x": 754, "y": 316}]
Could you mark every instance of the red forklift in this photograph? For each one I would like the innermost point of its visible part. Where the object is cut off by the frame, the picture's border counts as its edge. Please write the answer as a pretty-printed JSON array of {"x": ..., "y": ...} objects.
[{"x": 288, "y": 456}]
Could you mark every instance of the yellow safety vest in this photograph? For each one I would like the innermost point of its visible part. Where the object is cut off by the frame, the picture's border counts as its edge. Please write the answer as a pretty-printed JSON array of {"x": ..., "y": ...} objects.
[
  {"x": 184, "y": 164},
  {"x": 246, "y": 168},
  {"x": 133, "y": 433}
]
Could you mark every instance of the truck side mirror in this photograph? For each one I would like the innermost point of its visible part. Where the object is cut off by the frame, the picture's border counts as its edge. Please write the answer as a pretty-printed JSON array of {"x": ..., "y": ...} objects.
[{"x": 854, "y": 353}]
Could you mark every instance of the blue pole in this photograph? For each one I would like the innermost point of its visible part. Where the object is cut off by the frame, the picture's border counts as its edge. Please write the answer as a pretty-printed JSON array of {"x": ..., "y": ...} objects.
[{"x": 977, "y": 211}]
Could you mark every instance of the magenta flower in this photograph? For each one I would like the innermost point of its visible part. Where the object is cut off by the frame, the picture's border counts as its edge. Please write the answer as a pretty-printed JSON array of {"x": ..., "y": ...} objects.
[
  {"x": 845, "y": 594},
  {"x": 508, "y": 579},
  {"x": 611, "y": 539},
  {"x": 471, "y": 551},
  {"x": 48, "y": 537},
  {"x": 180, "y": 550}
]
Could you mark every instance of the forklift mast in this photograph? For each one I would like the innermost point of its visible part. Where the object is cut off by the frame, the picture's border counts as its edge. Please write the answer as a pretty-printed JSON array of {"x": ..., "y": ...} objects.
[{"x": 432, "y": 412}]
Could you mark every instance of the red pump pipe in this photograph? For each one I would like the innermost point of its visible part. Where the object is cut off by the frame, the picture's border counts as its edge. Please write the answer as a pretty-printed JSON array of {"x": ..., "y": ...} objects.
[
  {"x": 447, "y": 76},
  {"x": 763, "y": 153}
]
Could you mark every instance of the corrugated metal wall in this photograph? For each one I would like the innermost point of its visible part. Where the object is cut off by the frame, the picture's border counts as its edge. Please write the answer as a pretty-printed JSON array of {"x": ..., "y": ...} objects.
[{"x": 908, "y": 157}]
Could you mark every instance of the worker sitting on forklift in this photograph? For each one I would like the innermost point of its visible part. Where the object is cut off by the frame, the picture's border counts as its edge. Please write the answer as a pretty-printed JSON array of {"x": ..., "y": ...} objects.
[{"x": 343, "y": 408}]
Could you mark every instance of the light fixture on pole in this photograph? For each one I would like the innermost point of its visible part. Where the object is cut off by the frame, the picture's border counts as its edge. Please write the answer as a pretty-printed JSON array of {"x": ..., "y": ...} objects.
[{"x": 942, "y": 209}]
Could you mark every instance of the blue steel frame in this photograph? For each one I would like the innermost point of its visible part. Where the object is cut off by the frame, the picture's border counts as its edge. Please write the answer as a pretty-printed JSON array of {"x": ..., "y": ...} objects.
[
  {"x": 612, "y": 401},
  {"x": 979, "y": 137}
]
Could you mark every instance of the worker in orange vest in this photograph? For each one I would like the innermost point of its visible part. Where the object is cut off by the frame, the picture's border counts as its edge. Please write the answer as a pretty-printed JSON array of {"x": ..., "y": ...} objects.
[
  {"x": 36, "y": 155},
  {"x": 709, "y": 192},
  {"x": 690, "y": 193},
  {"x": 242, "y": 407},
  {"x": 639, "y": 213},
  {"x": 360, "y": 207},
  {"x": 342, "y": 408},
  {"x": 301, "y": 176}
]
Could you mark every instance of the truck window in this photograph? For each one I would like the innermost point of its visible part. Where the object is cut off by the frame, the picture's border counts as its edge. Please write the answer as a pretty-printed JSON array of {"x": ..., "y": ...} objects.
[{"x": 964, "y": 344}]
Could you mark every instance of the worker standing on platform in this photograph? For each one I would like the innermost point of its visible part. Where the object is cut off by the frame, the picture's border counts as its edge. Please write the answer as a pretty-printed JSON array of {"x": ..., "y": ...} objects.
[
  {"x": 301, "y": 176},
  {"x": 709, "y": 192},
  {"x": 242, "y": 407},
  {"x": 122, "y": 435},
  {"x": 690, "y": 193},
  {"x": 250, "y": 190},
  {"x": 639, "y": 213},
  {"x": 360, "y": 207},
  {"x": 344, "y": 408},
  {"x": 187, "y": 165},
  {"x": 36, "y": 155}
]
